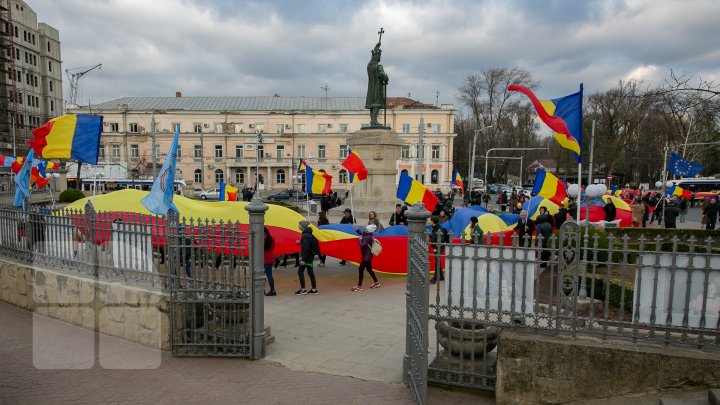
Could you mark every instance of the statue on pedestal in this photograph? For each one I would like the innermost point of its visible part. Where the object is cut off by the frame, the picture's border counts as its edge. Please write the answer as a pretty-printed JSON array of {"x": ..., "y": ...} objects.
[{"x": 377, "y": 85}]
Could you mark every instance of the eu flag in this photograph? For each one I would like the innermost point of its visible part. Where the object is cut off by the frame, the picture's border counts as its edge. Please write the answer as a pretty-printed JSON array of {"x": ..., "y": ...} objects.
[
  {"x": 160, "y": 199},
  {"x": 681, "y": 167}
]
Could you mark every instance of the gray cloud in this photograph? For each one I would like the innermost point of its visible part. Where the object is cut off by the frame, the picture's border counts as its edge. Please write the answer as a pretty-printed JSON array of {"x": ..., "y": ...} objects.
[{"x": 226, "y": 47}]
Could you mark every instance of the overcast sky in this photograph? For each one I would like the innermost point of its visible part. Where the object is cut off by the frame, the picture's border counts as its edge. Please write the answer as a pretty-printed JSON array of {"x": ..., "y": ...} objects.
[{"x": 294, "y": 47}]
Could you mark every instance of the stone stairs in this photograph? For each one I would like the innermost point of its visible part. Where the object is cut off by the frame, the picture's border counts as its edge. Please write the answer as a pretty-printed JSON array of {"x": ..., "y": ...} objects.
[{"x": 713, "y": 398}]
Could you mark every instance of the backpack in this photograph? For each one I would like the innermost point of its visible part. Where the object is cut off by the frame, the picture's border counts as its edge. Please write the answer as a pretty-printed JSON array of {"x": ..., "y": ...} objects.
[{"x": 375, "y": 247}]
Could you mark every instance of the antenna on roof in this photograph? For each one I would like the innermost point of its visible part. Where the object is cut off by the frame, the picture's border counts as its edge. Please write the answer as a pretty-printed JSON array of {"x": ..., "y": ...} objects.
[
  {"x": 326, "y": 88},
  {"x": 437, "y": 98}
]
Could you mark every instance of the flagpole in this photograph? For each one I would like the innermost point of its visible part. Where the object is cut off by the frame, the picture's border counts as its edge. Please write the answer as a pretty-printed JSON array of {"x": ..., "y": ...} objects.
[
  {"x": 94, "y": 184},
  {"x": 352, "y": 207},
  {"x": 664, "y": 176},
  {"x": 580, "y": 193}
]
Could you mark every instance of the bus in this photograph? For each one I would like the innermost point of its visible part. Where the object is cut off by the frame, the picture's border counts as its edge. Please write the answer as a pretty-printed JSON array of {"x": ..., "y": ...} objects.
[
  {"x": 102, "y": 185},
  {"x": 701, "y": 187}
]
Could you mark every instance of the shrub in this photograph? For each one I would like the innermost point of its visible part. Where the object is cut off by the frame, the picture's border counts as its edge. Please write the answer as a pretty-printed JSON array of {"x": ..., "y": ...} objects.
[
  {"x": 70, "y": 195},
  {"x": 284, "y": 204},
  {"x": 615, "y": 286}
]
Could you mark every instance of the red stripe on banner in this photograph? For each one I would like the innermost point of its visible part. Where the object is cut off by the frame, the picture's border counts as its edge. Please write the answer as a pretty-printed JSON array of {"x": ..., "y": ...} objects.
[{"x": 430, "y": 200}]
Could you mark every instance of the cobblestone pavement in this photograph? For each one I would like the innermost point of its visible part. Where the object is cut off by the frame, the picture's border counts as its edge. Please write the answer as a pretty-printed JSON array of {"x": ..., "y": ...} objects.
[{"x": 174, "y": 380}]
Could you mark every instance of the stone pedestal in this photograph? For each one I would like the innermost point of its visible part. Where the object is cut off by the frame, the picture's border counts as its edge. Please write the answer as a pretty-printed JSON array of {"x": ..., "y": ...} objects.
[{"x": 380, "y": 150}]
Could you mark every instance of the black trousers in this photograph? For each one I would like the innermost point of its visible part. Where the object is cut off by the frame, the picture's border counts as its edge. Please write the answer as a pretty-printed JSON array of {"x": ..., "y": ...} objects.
[
  {"x": 311, "y": 274},
  {"x": 361, "y": 272}
]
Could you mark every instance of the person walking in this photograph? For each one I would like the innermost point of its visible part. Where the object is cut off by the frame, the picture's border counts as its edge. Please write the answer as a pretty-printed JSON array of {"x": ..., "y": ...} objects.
[
  {"x": 671, "y": 214},
  {"x": 309, "y": 247},
  {"x": 269, "y": 259},
  {"x": 525, "y": 228},
  {"x": 711, "y": 213},
  {"x": 373, "y": 220},
  {"x": 322, "y": 220},
  {"x": 398, "y": 218},
  {"x": 610, "y": 211},
  {"x": 646, "y": 214},
  {"x": 544, "y": 229},
  {"x": 638, "y": 212},
  {"x": 347, "y": 219},
  {"x": 438, "y": 236},
  {"x": 366, "y": 241},
  {"x": 683, "y": 209}
]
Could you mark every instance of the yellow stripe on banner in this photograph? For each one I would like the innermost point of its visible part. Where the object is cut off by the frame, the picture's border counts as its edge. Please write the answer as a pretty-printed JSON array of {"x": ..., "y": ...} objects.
[
  {"x": 549, "y": 106},
  {"x": 416, "y": 193},
  {"x": 59, "y": 140},
  {"x": 565, "y": 143},
  {"x": 549, "y": 186}
]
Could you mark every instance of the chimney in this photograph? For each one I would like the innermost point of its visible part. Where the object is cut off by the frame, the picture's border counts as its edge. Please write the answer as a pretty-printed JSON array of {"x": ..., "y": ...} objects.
[{"x": 178, "y": 94}]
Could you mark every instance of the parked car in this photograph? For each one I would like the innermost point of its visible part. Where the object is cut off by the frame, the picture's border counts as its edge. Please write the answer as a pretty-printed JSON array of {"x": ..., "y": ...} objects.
[
  {"x": 286, "y": 195},
  {"x": 197, "y": 191},
  {"x": 213, "y": 194},
  {"x": 492, "y": 188}
]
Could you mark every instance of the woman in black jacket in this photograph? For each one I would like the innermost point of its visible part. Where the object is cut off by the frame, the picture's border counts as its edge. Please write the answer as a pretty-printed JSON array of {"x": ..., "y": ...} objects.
[{"x": 544, "y": 224}]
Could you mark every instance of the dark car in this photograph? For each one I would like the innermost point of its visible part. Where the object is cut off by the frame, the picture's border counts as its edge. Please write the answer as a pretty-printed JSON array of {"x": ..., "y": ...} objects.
[
  {"x": 492, "y": 189},
  {"x": 286, "y": 195}
]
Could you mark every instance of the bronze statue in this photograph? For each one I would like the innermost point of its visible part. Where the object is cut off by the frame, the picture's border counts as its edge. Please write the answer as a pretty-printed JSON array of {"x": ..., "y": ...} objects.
[{"x": 377, "y": 80}]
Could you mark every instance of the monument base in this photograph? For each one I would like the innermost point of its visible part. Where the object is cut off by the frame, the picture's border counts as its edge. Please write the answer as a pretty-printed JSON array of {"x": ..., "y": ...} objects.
[{"x": 380, "y": 150}]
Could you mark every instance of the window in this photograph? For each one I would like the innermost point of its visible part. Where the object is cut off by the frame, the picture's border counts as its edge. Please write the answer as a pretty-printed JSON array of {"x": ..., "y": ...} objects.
[
  {"x": 343, "y": 128},
  {"x": 51, "y": 85},
  {"x": 240, "y": 177},
  {"x": 321, "y": 128},
  {"x": 176, "y": 127},
  {"x": 321, "y": 152},
  {"x": 52, "y": 105},
  {"x": 239, "y": 151},
  {"x": 134, "y": 151},
  {"x": 197, "y": 151},
  {"x": 49, "y": 66},
  {"x": 435, "y": 152},
  {"x": 343, "y": 176},
  {"x": 405, "y": 128},
  {"x": 260, "y": 127},
  {"x": 197, "y": 176},
  {"x": 280, "y": 176},
  {"x": 261, "y": 151},
  {"x": 343, "y": 151},
  {"x": 280, "y": 128},
  {"x": 30, "y": 100},
  {"x": 113, "y": 127},
  {"x": 16, "y": 32},
  {"x": 133, "y": 127},
  {"x": 34, "y": 58},
  {"x": 405, "y": 152},
  {"x": 48, "y": 46},
  {"x": 156, "y": 150},
  {"x": 101, "y": 152},
  {"x": 434, "y": 177},
  {"x": 435, "y": 128},
  {"x": 19, "y": 98},
  {"x": 219, "y": 176},
  {"x": 115, "y": 151},
  {"x": 197, "y": 127},
  {"x": 218, "y": 151},
  {"x": 301, "y": 151},
  {"x": 280, "y": 151},
  {"x": 179, "y": 152},
  {"x": 17, "y": 53},
  {"x": 300, "y": 128},
  {"x": 33, "y": 39},
  {"x": 24, "y": 35}
]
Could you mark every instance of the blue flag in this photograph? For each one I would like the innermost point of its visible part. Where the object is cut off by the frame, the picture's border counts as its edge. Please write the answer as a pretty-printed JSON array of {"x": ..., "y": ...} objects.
[
  {"x": 681, "y": 167},
  {"x": 221, "y": 197},
  {"x": 22, "y": 180},
  {"x": 160, "y": 199}
]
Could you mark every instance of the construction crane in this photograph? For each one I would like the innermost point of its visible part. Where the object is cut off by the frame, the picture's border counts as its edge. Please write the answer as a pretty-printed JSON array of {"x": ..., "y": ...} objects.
[{"x": 73, "y": 78}]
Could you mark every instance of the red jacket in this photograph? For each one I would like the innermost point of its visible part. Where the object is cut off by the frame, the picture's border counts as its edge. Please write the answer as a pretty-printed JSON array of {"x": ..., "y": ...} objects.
[{"x": 269, "y": 256}]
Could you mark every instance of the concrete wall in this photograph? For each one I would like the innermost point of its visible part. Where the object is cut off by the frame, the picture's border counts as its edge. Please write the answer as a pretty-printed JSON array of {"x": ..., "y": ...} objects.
[
  {"x": 134, "y": 313},
  {"x": 543, "y": 368}
]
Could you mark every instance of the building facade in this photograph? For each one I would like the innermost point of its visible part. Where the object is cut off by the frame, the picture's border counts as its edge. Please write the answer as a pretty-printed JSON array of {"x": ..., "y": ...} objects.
[
  {"x": 32, "y": 87},
  {"x": 246, "y": 141}
]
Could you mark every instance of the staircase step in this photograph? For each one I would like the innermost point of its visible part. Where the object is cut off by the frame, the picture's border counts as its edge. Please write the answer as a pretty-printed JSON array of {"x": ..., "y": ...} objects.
[
  {"x": 714, "y": 397},
  {"x": 680, "y": 401}
]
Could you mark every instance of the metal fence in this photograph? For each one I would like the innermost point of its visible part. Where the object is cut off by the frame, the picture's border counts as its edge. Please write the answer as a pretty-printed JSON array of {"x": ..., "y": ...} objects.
[
  {"x": 212, "y": 270},
  {"x": 664, "y": 290}
]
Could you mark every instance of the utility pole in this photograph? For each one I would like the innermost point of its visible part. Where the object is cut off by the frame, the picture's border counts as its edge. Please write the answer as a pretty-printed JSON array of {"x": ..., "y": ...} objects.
[
  {"x": 421, "y": 148},
  {"x": 154, "y": 151}
]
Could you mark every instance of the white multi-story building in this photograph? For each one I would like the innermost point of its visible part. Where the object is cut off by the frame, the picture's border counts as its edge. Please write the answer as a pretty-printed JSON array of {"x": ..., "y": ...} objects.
[{"x": 219, "y": 137}]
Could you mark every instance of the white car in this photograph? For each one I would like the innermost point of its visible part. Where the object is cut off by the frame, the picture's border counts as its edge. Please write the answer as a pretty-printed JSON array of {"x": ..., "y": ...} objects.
[{"x": 213, "y": 194}]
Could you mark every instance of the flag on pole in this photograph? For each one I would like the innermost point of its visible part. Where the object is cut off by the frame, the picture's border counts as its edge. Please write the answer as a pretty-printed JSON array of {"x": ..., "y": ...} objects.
[
  {"x": 72, "y": 136},
  {"x": 457, "y": 180},
  {"x": 354, "y": 164},
  {"x": 677, "y": 191},
  {"x": 228, "y": 192},
  {"x": 412, "y": 191},
  {"x": 22, "y": 181},
  {"x": 160, "y": 199},
  {"x": 550, "y": 187},
  {"x": 683, "y": 168},
  {"x": 316, "y": 182},
  {"x": 563, "y": 115}
]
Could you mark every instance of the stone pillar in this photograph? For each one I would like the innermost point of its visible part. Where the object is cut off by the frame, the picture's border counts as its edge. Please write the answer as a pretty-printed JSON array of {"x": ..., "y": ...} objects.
[
  {"x": 380, "y": 150},
  {"x": 257, "y": 209}
]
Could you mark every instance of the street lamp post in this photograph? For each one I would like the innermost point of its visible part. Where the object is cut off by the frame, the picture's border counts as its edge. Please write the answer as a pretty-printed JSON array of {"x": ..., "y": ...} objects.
[
  {"x": 472, "y": 157},
  {"x": 257, "y": 160},
  {"x": 510, "y": 149},
  {"x": 154, "y": 151}
]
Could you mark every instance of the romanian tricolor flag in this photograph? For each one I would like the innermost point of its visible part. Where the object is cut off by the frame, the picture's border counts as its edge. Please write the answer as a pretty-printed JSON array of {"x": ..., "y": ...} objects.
[
  {"x": 457, "y": 180},
  {"x": 679, "y": 192},
  {"x": 354, "y": 164},
  {"x": 228, "y": 192},
  {"x": 412, "y": 191},
  {"x": 316, "y": 182},
  {"x": 550, "y": 187},
  {"x": 563, "y": 115},
  {"x": 72, "y": 136}
]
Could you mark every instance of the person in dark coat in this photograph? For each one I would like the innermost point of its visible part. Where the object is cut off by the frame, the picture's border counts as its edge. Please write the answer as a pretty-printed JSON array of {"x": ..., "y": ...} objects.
[
  {"x": 366, "y": 241},
  {"x": 309, "y": 247},
  {"x": 610, "y": 211},
  {"x": 438, "y": 236},
  {"x": 347, "y": 219},
  {"x": 398, "y": 218},
  {"x": 525, "y": 227},
  {"x": 671, "y": 214},
  {"x": 544, "y": 225},
  {"x": 711, "y": 213},
  {"x": 560, "y": 217},
  {"x": 325, "y": 203}
]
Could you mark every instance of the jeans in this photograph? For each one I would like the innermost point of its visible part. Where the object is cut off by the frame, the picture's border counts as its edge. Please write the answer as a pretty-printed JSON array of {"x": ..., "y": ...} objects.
[
  {"x": 268, "y": 274},
  {"x": 361, "y": 271},
  {"x": 682, "y": 217},
  {"x": 311, "y": 274}
]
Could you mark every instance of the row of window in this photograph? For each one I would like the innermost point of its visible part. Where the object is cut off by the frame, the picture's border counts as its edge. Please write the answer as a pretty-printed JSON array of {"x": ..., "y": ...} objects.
[
  {"x": 281, "y": 177},
  {"x": 405, "y": 151},
  {"x": 32, "y": 121},
  {"x": 133, "y": 127}
]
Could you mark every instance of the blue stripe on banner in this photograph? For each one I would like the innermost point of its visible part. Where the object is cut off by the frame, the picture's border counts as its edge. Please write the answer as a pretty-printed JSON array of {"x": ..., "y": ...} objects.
[{"x": 86, "y": 139}]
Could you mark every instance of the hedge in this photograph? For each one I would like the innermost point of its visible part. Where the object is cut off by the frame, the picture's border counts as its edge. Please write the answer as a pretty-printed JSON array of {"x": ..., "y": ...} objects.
[
  {"x": 70, "y": 195},
  {"x": 284, "y": 204},
  {"x": 600, "y": 283}
]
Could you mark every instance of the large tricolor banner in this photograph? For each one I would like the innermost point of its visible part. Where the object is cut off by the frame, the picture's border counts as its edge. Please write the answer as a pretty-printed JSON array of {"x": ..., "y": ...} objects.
[
  {"x": 412, "y": 191},
  {"x": 563, "y": 115},
  {"x": 550, "y": 187},
  {"x": 72, "y": 136}
]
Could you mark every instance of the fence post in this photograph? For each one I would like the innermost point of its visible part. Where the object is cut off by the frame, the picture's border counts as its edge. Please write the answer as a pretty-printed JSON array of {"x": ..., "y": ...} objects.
[
  {"x": 415, "y": 361},
  {"x": 257, "y": 209},
  {"x": 90, "y": 236}
]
